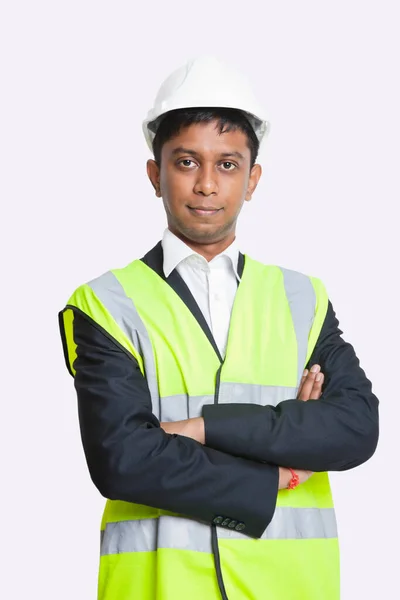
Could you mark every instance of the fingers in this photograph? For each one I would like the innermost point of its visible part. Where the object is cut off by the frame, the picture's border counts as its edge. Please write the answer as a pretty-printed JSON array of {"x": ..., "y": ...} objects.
[
  {"x": 303, "y": 378},
  {"x": 316, "y": 391},
  {"x": 310, "y": 388}
]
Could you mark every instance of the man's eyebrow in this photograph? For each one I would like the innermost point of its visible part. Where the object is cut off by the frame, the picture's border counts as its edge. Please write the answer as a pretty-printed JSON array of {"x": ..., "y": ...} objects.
[{"x": 182, "y": 150}]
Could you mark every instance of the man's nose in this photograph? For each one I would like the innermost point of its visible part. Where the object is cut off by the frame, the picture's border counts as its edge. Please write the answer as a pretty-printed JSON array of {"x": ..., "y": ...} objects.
[{"x": 206, "y": 182}]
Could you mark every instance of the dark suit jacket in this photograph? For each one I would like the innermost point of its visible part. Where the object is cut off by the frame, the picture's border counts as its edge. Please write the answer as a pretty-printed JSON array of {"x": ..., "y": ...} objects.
[{"x": 235, "y": 474}]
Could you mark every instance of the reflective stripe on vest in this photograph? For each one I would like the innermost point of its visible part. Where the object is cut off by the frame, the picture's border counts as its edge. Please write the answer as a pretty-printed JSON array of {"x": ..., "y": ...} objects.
[
  {"x": 302, "y": 312},
  {"x": 107, "y": 288},
  {"x": 146, "y": 535},
  {"x": 182, "y": 406}
]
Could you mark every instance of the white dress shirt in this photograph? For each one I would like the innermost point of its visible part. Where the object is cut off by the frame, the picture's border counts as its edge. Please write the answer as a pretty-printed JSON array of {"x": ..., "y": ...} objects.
[{"x": 213, "y": 284}]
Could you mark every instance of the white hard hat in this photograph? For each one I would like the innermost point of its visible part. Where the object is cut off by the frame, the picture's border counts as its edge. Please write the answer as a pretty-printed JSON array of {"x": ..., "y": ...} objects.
[{"x": 206, "y": 81}]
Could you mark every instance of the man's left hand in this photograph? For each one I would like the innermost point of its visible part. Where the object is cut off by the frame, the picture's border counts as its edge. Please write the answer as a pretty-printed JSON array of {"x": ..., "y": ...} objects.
[{"x": 310, "y": 388}]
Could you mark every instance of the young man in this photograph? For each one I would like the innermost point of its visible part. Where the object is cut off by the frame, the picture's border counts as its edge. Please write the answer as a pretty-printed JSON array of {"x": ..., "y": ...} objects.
[{"x": 199, "y": 423}]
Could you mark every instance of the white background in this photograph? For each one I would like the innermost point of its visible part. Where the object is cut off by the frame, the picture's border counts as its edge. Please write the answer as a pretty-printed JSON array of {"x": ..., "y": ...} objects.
[{"x": 77, "y": 79}]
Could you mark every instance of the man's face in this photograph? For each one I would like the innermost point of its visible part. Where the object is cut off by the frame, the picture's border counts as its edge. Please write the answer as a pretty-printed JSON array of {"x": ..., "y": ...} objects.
[{"x": 203, "y": 180}]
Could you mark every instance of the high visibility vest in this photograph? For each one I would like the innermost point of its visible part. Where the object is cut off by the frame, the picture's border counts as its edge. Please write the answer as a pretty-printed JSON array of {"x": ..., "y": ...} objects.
[{"x": 153, "y": 554}]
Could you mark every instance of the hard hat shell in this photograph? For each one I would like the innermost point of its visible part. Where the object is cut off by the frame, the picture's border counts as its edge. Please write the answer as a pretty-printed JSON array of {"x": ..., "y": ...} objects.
[{"x": 205, "y": 81}]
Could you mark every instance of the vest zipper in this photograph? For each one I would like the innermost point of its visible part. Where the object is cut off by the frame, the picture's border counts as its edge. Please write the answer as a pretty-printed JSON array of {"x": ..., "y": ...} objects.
[
  {"x": 218, "y": 383},
  {"x": 215, "y": 549},
  {"x": 214, "y": 535}
]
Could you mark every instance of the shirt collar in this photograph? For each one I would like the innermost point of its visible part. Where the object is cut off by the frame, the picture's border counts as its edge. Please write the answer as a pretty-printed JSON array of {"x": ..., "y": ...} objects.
[{"x": 175, "y": 251}]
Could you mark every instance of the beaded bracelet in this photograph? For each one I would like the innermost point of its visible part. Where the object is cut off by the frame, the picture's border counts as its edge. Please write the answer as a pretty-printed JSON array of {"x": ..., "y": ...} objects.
[{"x": 294, "y": 482}]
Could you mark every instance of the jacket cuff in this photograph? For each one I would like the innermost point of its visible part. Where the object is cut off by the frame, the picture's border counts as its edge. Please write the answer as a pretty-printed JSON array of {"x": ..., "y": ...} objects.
[
  {"x": 264, "y": 501},
  {"x": 256, "y": 506}
]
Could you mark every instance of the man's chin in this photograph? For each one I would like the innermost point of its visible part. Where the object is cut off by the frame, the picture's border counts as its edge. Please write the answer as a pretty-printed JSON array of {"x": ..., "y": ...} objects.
[{"x": 204, "y": 234}]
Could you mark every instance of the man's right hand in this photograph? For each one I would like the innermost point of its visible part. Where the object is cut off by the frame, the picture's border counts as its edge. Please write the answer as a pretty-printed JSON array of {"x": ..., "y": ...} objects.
[{"x": 309, "y": 389}]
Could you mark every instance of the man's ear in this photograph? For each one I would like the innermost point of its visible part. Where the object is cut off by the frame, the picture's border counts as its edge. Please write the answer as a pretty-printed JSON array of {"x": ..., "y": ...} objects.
[
  {"x": 255, "y": 175},
  {"x": 153, "y": 172}
]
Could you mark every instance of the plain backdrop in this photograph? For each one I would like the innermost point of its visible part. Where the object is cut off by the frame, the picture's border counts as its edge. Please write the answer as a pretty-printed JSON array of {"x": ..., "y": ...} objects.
[{"x": 77, "y": 79}]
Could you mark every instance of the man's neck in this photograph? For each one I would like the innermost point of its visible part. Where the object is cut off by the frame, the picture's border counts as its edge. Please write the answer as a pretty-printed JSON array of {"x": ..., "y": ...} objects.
[{"x": 209, "y": 251}]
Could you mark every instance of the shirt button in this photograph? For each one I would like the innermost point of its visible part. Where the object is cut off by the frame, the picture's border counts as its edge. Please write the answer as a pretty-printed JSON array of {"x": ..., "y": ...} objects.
[
  {"x": 232, "y": 524},
  {"x": 218, "y": 520},
  {"x": 240, "y": 527}
]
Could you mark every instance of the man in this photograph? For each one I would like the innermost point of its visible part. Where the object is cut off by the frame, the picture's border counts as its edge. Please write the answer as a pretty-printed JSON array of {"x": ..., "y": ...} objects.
[{"x": 200, "y": 418}]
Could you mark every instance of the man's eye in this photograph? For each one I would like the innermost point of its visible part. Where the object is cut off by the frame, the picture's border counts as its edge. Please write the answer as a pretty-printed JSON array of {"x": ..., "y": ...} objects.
[
  {"x": 185, "y": 160},
  {"x": 229, "y": 163}
]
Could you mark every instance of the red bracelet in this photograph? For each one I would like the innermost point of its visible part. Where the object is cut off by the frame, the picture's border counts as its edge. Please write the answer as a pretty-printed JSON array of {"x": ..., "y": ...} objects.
[{"x": 294, "y": 482}]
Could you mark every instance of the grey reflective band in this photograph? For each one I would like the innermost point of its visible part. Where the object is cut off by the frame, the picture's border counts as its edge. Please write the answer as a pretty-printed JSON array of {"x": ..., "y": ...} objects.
[
  {"x": 111, "y": 293},
  {"x": 180, "y": 407},
  {"x": 302, "y": 299},
  {"x": 147, "y": 535},
  {"x": 249, "y": 393}
]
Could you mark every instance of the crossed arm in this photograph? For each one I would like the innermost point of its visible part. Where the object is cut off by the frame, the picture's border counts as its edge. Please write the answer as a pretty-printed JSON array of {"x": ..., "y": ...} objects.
[
  {"x": 310, "y": 389},
  {"x": 236, "y": 472}
]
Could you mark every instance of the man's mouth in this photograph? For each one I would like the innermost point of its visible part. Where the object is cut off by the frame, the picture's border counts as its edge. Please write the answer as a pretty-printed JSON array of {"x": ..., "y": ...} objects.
[{"x": 204, "y": 210}]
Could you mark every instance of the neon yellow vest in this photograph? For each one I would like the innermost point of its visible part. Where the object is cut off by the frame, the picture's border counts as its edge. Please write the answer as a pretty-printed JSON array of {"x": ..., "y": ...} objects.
[{"x": 152, "y": 554}]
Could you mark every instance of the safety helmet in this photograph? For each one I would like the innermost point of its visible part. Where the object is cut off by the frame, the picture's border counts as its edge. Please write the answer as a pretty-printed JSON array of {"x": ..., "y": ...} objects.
[{"x": 205, "y": 81}]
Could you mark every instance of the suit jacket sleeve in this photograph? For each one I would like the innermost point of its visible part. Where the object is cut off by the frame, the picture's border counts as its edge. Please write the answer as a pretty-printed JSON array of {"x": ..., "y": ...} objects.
[
  {"x": 131, "y": 458},
  {"x": 338, "y": 431}
]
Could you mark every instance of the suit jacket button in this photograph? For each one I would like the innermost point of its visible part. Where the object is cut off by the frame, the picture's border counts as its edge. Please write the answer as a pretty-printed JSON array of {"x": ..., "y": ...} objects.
[
  {"x": 232, "y": 524},
  {"x": 225, "y": 522},
  {"x": 218, "y": 520},
  {"x": 240, "y": 527}
]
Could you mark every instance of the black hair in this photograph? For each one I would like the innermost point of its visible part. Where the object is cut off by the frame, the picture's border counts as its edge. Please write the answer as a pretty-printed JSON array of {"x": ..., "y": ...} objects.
[{"x": 170, "y": 123}]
